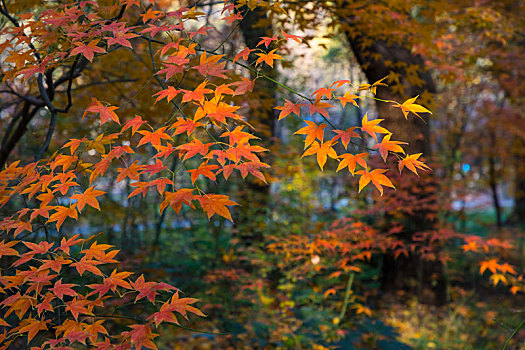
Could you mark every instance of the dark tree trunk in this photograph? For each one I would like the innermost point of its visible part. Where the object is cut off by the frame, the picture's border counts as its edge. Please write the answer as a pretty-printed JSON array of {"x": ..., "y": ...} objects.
[
  {"x": 396, "y": 271},
  {"x": 255, "y": 196},
  {"x": 518, "y": 215}
]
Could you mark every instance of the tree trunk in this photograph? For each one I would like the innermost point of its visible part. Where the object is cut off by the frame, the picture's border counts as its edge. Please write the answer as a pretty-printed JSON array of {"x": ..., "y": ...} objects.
[
  {"x": 255, "y": 196},
  {"x": 396, "y": 271}
]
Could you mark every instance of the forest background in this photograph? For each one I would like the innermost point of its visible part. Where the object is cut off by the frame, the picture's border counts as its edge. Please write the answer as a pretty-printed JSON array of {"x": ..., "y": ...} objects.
[{"x": 262, "y": 174}]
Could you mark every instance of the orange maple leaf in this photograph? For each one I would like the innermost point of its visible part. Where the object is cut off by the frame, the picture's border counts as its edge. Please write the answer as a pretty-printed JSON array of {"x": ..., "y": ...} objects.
[
  {"x": 348, "y": 97},
  {"x": 412, "y": 162},
  {"x": 372, "y": 127},
  {"x": 410, "y": 106},
  {"x": 88, "y": 197},
  {"x": 32, "y": 326},
  {"x": 320, "y": 107},
  {"x": 106, "y": 113},
  {"x": 350, "y": 161},
  {"x": 215, "y": 204},
  {"x": 289, "y": 107},
  {"x": 345, "y": 135},
  {"x": 268, "y": 58},
  {"x": 153, "y": 137},
  {"x": 5, "y": 248},
  {"x": 88, "y": 51},
  {"x": 62, "y": 213},
  {"x": 205, "y": 170},
  {"x": 386, "y": 145},
  {"x": 323, "y": 151},
  {"x": 492, "y": 265},
  {"x": 377, "y": 178},
  {"x": 134, "y": 124},
  {"x": 176, "y": 199},
  {"x": 60, "y": 289},
  {"x": 313, "y": 131}
]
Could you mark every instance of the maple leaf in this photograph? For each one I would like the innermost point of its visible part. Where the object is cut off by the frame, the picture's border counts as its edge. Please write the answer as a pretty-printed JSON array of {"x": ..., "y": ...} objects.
[
  {"x": 506, "y": 268},
  {"x": 497, "y": 277},
  {"x": 55, "y": 265},
  {"x": 197, "y": 94},
  {"x": 121, "y": 38},
  {"x": 193, "y": 148},
  {"x": 134, "y": 124},
  {"x": 60, "y": 289},
  {"x": 32, "y": 326},
  {"x": 244, "y": 54},
  {"x": 41, "y": 248},
  {"x": 185, "y": 125},
  {"x": 348, "y": 97},
  {"x": 5, "y": 248},
  {"x": 73, "y": 144},
  {"x": 412, "y": 162},
  {"x": 182, "y": 305},
  {"x": 118, "y": 151},
  {"x": 267, "y": 41},
  {"x": 116, "y": 279},
  {"x": 155, "y": 168},
  {"x": 202, "y": 31},
  {"x": 96, "y": 250},
  {"x": 132, "y": 171},
  {"x": 320, "y": 107},
  {"x": 62, "y": 213},
  {"x": 215, "y": 204},
  {"x": 345, "y": 135},
  {"x": 350, "y": 161},
  {"x": 372, "y": 127},
  {"x": 176, "y": 304},
  {"x": 205, "y": 170},
  {"x": 77, "y": 307},
  {"x": 89, "y": 265},
  {"x": 148, "y": 289},
  {"x": 372, "y": 87},
  {"x": 296, "y": 38},
  {"x": 165, "y": 314},
  {"x": 323, "y": 151},
  {"x": 210, "y": 66},
  {"x": 142, "y": 336},
  {"x": 88, "y": 51},
  {"x": 377, "y": 178},
  {"x": 238, "y": 136},
  {"x": 471, "y": 245},
  {"x": 491, "y": 264},
  {"x": 232, "y": 18},
  {"x": 386, "y": 145},
  {"x": 223, "y": 89},
  {"x": 252, "y": 168},
  {"x": 161, "y": 183},
  {"x": 313, "y": 131},
  {"x": 289, "y": 107},
  {"x": 151, "y": 15},
  {"x": 88, "y": 197},
  {"x": 243, "y": 86},
  {"x": 268, "y": 58},
  {"x": 170, "y": 93},
  {"x": 319, "y": 93},
  {"x": 106, "y": 113},
  {"x": 340, "y": 83},
  {"x": 153, "y": 137},
  {"x": 410, "y": 106},
  {"x": 142, "y": 187}
]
